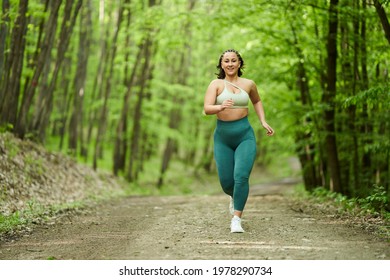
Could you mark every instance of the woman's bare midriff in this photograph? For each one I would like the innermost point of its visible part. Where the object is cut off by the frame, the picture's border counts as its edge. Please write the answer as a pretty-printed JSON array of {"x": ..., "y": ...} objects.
[{"x": 232, "y": 114}]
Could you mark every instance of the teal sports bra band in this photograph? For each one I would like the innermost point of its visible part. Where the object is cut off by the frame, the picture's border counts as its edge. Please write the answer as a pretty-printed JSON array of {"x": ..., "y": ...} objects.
[{"x": 240, "y": 99}]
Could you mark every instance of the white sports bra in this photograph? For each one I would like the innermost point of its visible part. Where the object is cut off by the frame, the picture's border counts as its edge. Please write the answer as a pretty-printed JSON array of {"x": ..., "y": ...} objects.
[{"x": 240, "y": 99}]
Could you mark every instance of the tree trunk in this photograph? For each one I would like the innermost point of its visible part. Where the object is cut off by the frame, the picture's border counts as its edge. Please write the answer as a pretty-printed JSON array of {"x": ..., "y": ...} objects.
[
  {"x": 321, "y": 166},
  {"x": 349, "y": 76},
  {"x": 107, "y": 91},
  {"x": 135, "y": 157},
  {"x": 305, "y": 148},
  {"x": 51, "y": 26},
  {"x": 76, "y": 120},
  {"x": 383, "y": 18},
  {"x": 133, "y": 168},
  {"x": 59, "y": 127},
  {"x": 97, "y": 86},
  {"x": 4, "y": 23},
  {"x": 206, "y": 161},
  {"x": 328, "y": 98},
  {"x": 33, "y": 58},
  {"x": 176, "y": 114},
  {"x": 121, "y": 139},
  {"x": 168, "y": 151},
  {"x": 13, "y": 72},
  {"x": 45, "y": 106}
]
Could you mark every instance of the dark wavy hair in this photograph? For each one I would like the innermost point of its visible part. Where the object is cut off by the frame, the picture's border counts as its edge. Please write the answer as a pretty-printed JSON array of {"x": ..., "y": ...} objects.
[{"x": 221, "y": 73}]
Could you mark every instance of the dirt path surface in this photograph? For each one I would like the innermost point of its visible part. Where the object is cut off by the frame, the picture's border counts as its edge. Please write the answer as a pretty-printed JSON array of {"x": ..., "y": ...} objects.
[{"x": 197, "y": 227}]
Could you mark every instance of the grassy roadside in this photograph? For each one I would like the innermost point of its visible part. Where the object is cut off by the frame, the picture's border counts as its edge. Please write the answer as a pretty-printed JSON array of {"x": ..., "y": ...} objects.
[
  {"x": 23, "y": 220},
  {"x": 369, "y": 213},
  {"x": 38, "y": 186}
]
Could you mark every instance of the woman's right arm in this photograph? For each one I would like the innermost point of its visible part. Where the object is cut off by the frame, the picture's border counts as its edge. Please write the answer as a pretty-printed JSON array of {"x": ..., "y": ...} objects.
[{"x": 210, "y": 108}]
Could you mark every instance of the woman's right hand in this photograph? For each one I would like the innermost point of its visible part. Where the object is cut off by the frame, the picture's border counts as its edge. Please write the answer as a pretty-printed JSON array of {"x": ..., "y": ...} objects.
[{"x": 227, "y": 104}]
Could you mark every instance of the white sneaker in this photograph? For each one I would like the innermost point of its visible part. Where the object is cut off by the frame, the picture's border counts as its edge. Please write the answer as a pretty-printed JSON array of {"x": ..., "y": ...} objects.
[
  {"x": 235, "y": 225},
  {"x": 231, "y": 206}
]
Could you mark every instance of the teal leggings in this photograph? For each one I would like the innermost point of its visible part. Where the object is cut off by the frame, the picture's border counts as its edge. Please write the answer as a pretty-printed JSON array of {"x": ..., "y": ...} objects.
[{"x": 235, "y": 153}]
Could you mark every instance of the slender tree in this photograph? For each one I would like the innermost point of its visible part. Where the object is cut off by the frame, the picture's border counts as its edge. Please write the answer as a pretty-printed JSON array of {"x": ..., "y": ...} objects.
[
  {"x": 45, "y": 101},
  {"x": 76, "y": 134},
  {"x": 111, "y": 55},
  {"x": 13, "y": 72},
  {"x": 121, "y": 140},
  {"x": 135, "y": 146},
  {"x": 328, "y": 98},
  {"x": 4, "y": 23},
  {"x": 383, "y": 18},
  {"x": 40, "y": 64},
  {"x": 305, "y": 147},
  {"x": 180, "y": 77}
]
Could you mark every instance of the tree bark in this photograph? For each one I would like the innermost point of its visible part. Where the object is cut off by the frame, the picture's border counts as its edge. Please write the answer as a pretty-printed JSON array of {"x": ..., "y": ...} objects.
[
  {"x": 133, "y": 168},
  {"x": 51, "y": 26},
  {"x": 13, "y": 72},
  {"x": 350, "y": 77},
  {"x": 121, "y": 137},
  {"x": 328, "y": 98},
  {"x": 121, "y": 140},
  {"x": 76, "y": 120},
  {"x": 107, "y": 90},
  {"x": 305, "y": 148},
  {"x": 176, "y": 114},
  {"x": 98, "y": 84},
  {"x": 383, "y": 18},
  {"x": 5, "y": 21},
  {"x": 64, "y": 102},
  {"x": 45, "y": 105}
]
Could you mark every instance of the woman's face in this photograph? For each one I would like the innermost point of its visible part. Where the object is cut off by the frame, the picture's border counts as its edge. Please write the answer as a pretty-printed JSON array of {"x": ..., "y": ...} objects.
[{"x": 230, "y": 63}]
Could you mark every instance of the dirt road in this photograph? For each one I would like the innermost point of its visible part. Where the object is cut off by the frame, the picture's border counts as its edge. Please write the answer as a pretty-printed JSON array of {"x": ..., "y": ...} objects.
[{"x": 197, "y": 227}]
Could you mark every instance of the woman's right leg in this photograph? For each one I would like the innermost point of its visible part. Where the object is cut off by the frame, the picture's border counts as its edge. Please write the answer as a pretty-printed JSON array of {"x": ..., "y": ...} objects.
[
  {"x": 245, "y": 156},
  {"x": 224, "y": 158}
]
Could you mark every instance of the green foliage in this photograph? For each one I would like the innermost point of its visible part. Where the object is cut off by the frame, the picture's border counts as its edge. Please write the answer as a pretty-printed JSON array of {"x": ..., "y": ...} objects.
[
  {"x": 375, "y": 96},
  {"x": 274, "y": 38},
  {"x": 20, "y": 219},
  {"x": 34, "y": 213},
  {"x": 10, "y": 146},
  {"x": 6, "y": 127},
  {"x": 7, "y": 223},
  {"x": 377, "y": 203}
]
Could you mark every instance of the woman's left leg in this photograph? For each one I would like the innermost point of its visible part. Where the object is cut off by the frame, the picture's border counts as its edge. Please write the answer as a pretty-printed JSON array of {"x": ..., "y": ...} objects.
[{"x": 244, "y": 159}]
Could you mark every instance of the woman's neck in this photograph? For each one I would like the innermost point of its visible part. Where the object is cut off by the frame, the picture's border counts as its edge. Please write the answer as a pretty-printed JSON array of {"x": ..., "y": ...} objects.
[{"x": 231, "y": 79}]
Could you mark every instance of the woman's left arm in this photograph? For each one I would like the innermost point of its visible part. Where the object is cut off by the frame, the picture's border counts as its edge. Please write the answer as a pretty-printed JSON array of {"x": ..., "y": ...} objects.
[{"x": 259, "y": 109}]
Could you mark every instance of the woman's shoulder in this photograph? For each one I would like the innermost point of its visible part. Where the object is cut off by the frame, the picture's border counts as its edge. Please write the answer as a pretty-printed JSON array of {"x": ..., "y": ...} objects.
[
  {"x": 217, "y": 83},
  {"x": 248, "y": 84},
  {"x": 247, "y": 81}
]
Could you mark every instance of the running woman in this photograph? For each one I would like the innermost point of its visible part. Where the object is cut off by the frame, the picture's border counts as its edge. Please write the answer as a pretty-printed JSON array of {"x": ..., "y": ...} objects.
[{"x": 227, "y": 97}]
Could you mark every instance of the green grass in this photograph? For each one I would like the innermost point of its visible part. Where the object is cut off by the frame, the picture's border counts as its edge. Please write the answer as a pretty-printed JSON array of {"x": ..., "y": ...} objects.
[
  {"x": 33, "y": 213},
  {"x": 8, "y": 223},
  {"x": 372, "y": 211},
  {"x": 11, "y": 147},
  {"x": 374, "y": 204}
]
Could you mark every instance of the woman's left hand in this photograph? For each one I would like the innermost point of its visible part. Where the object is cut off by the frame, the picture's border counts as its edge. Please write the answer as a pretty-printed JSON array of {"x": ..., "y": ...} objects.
[{"x": 269, "y": 129}]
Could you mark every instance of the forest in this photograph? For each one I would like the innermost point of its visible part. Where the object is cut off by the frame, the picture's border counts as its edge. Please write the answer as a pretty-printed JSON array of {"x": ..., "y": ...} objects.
[{"x": 119, "y": 84}]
